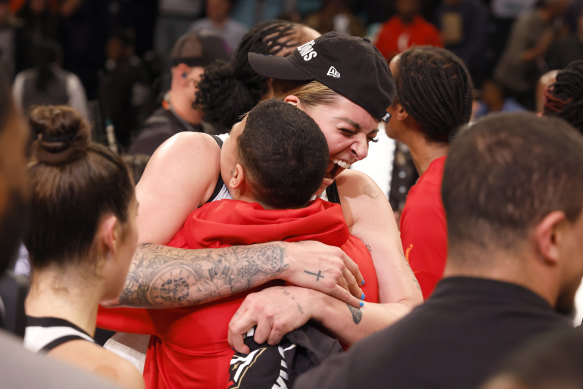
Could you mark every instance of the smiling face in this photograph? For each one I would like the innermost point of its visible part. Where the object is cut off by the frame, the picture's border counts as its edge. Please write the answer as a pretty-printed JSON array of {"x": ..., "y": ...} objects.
[{"x": 348, "y": 129}]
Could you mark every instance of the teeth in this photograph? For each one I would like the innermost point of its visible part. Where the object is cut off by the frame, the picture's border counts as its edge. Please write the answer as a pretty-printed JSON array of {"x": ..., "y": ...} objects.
[{"x": 342, "y": 164}]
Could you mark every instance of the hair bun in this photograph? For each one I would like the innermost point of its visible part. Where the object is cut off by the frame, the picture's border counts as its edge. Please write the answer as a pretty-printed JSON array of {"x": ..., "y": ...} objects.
[{"x": 60, "y": 134}]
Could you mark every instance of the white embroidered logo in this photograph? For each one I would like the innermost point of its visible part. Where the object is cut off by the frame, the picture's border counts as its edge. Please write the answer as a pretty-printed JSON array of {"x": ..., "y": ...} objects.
[
  {"x": 307, "y": 51},
  {"x": 333, "y": 72}
]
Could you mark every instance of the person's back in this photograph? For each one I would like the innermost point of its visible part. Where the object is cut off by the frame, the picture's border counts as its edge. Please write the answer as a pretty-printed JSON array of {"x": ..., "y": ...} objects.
[
  {"x": 81, "y": 240},
  {"x": 426, "y": 123},
  {"x": 272, "y": 163},
  {"x": 47, "y": 83},
  {"x": 507, "y": 279}
]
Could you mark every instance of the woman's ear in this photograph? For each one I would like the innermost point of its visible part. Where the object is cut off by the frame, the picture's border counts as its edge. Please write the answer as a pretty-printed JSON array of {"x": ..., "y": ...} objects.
[
  {"x": 108, "y": 233},
  {"x": 292, "y": 99},
  {"x": 400, "y": 111}
]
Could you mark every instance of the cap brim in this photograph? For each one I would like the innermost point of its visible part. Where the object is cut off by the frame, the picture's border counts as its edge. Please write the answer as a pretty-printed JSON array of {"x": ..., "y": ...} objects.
[{"x": 277, "y": 67}]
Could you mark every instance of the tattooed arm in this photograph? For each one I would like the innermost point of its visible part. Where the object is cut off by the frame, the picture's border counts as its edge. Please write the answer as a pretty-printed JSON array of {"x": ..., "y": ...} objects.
[
  {"x": 280, "y": 309},
  {"x": 370, "y": 218},
  {"x": 162, "y": 277}
]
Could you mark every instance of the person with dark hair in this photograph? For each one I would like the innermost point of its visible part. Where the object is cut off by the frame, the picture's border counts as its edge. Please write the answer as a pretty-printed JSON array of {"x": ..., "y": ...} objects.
[
  {"x": 512, "y": 192},
  {"x": 80, "y": 241},
  {"x": 190, "y": 55},
  {"x": 519, "y": 66},
  {"x": 434, "y": 97},
  {"x": 347, "y": 96},
  {"x": 551, "y": 361},
  {"x": 564, "y": 98},
  {"x": 16, "y": 362},
  {"x": 273, "y": 162},
  {"x": 125, "y": 92},
  {"x": 228, "y": 90},
  {"x": 47, "y": 83}
]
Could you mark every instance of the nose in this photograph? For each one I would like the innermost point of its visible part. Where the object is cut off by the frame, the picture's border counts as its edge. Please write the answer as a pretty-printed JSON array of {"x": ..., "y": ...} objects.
[{"x": 360, "y": 146}]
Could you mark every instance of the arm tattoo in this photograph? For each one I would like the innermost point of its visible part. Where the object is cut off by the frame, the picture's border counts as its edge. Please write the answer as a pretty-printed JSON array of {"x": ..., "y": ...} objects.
[
  {"x": 369, "y": 190},
  {"x": 298, "y": 306},
  {"x": 162, "y": 276},
  {"x": 356, "y": 314}
]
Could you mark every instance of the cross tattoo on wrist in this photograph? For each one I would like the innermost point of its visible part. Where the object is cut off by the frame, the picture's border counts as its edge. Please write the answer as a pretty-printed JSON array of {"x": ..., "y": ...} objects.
[{"x": 318, "y": 275}]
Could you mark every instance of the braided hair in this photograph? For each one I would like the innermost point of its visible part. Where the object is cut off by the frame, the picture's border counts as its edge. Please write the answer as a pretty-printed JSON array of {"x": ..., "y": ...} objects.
[
  {"x": 435, "y": 88},
  {"x": 564, "y": 98},
  {"x": 229, "y": 89}
]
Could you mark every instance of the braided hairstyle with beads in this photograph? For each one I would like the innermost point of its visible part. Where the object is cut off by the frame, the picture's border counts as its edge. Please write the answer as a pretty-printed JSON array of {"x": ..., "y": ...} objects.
[
  {"x": 564, "y": 98},
  {"x": 228, "y": 90},
  {"x": 435, "y": 88}
]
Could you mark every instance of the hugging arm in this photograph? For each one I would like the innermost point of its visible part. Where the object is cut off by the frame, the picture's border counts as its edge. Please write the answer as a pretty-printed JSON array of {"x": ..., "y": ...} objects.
[
  {"x": 163, "y": 277},
  {"x": 370, "y": 218},
  {"x": 280, "y": 309}
]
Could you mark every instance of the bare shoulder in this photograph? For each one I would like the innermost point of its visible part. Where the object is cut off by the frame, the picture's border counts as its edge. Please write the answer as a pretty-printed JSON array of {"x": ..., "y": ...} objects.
[
  {"x": 352, "y": 183},
  {"x": 186, "y": 146},
  {"x": 180, "y": 176},
  {"x": 361, "y": 198},
  {"x": 100, "y": 361}
]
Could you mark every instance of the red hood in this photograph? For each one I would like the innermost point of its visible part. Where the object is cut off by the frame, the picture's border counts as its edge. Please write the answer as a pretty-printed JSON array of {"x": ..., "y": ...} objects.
[{"x": 237, "y": 222}]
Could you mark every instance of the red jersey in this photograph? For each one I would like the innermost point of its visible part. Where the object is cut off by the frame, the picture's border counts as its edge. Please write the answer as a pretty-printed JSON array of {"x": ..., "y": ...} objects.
[
  {"x": 190, "y": 348},
  {"x": 395, "y": 36},
  {"x": 423, "y": 228}
]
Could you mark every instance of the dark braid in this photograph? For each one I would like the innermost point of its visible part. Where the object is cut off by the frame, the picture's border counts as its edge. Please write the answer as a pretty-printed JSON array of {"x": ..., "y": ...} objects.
[
  {"x": 564, "y": 98},
  {"x": 435, "y": 88},
  {"x": 228, "y": 90}
]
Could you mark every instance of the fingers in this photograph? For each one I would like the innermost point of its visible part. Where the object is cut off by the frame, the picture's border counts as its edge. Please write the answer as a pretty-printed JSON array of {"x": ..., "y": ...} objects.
[
  {"x": 345, "y": 296},
  {"x": 237, "y": 343},
  {"x": 238, "y": 327},
  {"x": 352, "y": 267}
]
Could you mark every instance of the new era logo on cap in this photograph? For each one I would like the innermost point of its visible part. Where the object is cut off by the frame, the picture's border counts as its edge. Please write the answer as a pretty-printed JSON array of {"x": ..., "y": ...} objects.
[
  {"x": 333, "y": 72},
  {"x": 365, "y": 80}
]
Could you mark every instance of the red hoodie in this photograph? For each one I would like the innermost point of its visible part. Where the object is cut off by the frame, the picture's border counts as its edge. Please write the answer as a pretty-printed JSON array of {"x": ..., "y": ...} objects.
[{"x": 190, "y": 348}]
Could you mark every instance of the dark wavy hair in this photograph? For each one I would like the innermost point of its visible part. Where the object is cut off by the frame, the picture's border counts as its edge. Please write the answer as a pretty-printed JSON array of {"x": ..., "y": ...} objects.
[{"x": 228, "y": 90}]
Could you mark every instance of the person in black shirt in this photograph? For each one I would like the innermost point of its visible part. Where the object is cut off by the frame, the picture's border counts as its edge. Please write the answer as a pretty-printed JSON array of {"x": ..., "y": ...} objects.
[{"x": 513, "y": 193}]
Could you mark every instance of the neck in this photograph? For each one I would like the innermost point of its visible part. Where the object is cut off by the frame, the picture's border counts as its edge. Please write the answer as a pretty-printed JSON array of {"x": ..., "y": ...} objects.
[
  {"x": 424, "y": 152},
  {"x": 183, "y": 108},
  {"x": 66, "y": 295},
  {"x": 508, "y": 266}
]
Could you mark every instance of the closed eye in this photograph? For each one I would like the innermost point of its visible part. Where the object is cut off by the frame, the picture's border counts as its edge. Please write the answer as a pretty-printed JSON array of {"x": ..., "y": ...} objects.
[{"x": 347, "y": 132}]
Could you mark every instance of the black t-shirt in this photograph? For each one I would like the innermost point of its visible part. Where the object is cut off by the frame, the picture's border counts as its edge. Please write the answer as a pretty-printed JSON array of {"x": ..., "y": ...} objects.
[{"x": 454, "y": 340}]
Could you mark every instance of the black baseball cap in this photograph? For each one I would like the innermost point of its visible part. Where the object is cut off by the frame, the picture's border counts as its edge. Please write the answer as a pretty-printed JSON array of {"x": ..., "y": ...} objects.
[
  {"x": 350, "y": 66},
  {"x": 199, "y": 49}
]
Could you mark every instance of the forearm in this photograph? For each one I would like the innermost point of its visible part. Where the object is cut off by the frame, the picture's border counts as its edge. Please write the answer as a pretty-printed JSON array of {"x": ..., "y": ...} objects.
[
  {"x": 162, "y": 276},
  {"x": 349, "y": 324}
]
